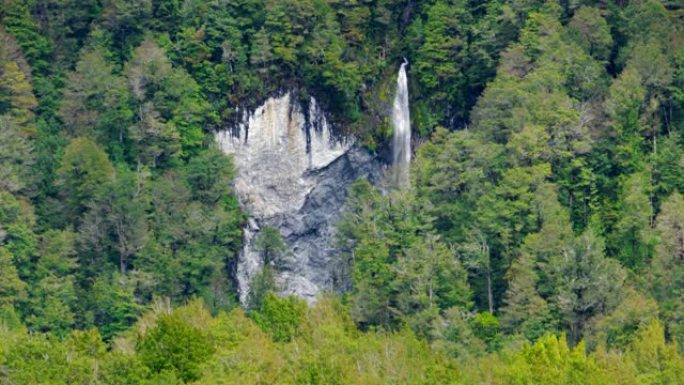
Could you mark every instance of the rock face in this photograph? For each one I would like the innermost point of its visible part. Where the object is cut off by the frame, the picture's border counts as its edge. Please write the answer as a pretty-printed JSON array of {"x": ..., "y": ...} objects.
[{"x": 293, "y": 173}]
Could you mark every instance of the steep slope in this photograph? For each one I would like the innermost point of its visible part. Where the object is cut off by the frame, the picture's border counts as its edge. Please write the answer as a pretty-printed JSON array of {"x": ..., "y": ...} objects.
[{"x": 292, "y": 173}]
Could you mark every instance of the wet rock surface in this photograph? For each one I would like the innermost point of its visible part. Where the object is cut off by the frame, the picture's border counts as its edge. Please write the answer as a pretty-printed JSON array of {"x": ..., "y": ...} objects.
[{"x": 293, "y": 173}]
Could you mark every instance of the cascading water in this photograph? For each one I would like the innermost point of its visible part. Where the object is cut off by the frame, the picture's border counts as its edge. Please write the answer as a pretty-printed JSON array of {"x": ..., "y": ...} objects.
[{"x": 401, "y": 121}]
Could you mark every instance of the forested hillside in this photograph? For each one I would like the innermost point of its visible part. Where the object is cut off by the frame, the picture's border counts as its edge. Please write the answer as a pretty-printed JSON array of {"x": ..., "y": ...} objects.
[{"x": 540, "y": 239}]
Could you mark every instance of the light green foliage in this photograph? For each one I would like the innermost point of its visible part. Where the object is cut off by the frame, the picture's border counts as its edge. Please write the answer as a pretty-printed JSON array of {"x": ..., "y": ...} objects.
[
  {"x": 188, "y": 345},
  {"x": 13, "y": 288},
  {"x": 506, "y": 212},
  {"x": 176, "y": 346},
  {"x": 535, "y": 90},
  {"x": 400, "y": 271},
  {"x": 96, "y": 102},
  {"x": 111, "y": 305},
  {"x": 552, "y": 361},
  {"x": 194, "y": 231},
  {"x": 562, "y": 132},
  {"x": 667, "y": 267},
  {"x": 625, "y": 97},
  {"x": 453, "y": 334},
  {"x": 452, "y": 171},
  {"x": 429, "y": 278},
  {"x": 16, "y": 158},
  {"x": 115, "y": 223},
  {"x": 371, "y": 273},
  {"x": 525, "y": 311},
  {"x": 82, "y": 172},
  {"x": 592, "y": 32},
  {"x": 588, "y": 283},
  {"x": 20, "y": 98},
  {"x": 261, "y": 55},
  {"x": 656, "y": 361},
  {"x": 170, "y": 112},
  {"x": 619, "y": 328},
  {"x": 53, "y": 298},
  {"x": 486, "y": 327},
  {"x": 16, "y": 231},
  {"x": 281, "y": 318},
  {"x": 17, "y": 120}
]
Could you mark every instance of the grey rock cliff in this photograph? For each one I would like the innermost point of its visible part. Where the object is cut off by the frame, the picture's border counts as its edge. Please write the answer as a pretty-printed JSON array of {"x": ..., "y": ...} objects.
[{"x": 293, "y": 173}]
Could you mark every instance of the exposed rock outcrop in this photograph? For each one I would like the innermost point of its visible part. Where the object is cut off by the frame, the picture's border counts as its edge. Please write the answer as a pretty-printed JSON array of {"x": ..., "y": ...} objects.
[{"x": 293, "y": 173}]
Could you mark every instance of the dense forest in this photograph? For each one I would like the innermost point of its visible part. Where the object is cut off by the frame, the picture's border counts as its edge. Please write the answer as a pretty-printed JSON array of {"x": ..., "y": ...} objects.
[{"x": 540, "y": 239}]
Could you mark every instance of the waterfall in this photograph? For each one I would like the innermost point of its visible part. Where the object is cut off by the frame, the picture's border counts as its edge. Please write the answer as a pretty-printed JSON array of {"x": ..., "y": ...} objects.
[{"x": 401, "y": 122}]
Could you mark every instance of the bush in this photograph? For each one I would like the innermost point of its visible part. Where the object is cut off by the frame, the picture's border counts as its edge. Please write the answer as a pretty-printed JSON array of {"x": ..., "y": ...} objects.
[
  {"x": 173, "y": 345},
  {"x": 280, "y": 317}
]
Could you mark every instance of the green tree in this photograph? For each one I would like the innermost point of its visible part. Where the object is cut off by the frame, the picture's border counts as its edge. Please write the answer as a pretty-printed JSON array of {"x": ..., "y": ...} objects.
[
  {"x": 261, "y": 284},
  {"x": 551, "y": 361},
  {"x": 17, "y": 120},
  {"x": 53, "y": 299},
  {"x": 156, "y": 140},
  {"x": 111, "y": 305},
  {"x": 525, "y": 311},
  {"x": 281, "y": 318},
  {"x": 171, "y": 113},
  {"x": 504, "y": 215},
  {"x": 126, "y": 20},
  {"x": 209, "y": 175},
  {"x": 260, "y": 53},
  {"x": 17, "y": 236},
  {"x": 656, "y": 361},
  {"x": 633, "y": 242},
  {"x": 588, "y": 283},
  {"x": 67, "y": 24},
  {"x": 452, "y": 171},
  {"x": 51, "y": 302},
  {"x": 592, "y": 32},
  {"x": 16, "y": 159},
  {"x": 440, "y": 59},
  {"x": 19, "y": 22},
  {"x": 429, "y": 279},
  {"x": 83, "y": 170},
  {"x": 486, "y": 327},
  {"x": 12, "y": 288},
  {"x": 367, "y": 254},
  {"x": 666, "y": 275},
  {"x": 116, "y": 220},
  {"x": 624, "y": 106},
  {"x": 96, "y": 101},
  {"x": 618, "y": 329},
  {"x": 20, "y": 99},
  {"x": 174, "y": 345},
  {"x": 269, "y": 243}
]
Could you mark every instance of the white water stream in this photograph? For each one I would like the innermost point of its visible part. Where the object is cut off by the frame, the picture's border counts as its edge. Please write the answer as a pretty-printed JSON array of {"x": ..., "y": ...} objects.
[{"x": 401, "y": 121}]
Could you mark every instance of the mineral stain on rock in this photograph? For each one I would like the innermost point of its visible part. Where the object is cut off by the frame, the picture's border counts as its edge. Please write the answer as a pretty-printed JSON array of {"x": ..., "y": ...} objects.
[{"x": 292, "y": 173}]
